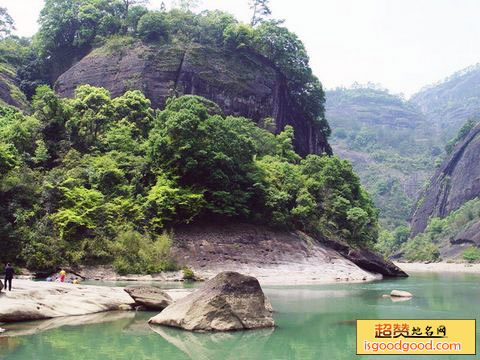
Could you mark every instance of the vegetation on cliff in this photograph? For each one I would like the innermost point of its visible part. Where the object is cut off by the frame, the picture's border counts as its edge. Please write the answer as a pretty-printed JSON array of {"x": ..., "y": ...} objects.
[
  {"x": 70, "y": 29},
  {"x": 95, "y": 179},
  {"x": 439, "y": 239},
  {"x": 448, "y": 104},
  {"x": 99, "y": 180}
]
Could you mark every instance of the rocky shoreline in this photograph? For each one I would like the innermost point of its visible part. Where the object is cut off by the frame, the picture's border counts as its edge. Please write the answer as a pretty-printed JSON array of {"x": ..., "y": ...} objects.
[
  {"x": 441, "y": 267},
  {"x": 38, "y": 300}
]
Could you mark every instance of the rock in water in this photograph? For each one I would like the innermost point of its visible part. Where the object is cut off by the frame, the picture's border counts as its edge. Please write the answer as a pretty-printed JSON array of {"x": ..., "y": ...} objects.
[
  {"x": 400, "y": 293},
  {"x": 229, "y": 301},
  {"x": 149, "y": 297}
]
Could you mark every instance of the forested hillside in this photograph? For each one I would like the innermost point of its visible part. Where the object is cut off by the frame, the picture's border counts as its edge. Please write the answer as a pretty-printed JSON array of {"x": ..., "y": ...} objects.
[
  {"x": 102, "y": 179},
  {"x": 450, "y": 103},
  {"x": 388, "y": 142},
  {"x": 396, "y": 146}
]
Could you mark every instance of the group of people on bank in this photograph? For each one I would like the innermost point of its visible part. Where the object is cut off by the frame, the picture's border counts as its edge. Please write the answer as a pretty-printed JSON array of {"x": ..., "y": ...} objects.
[{"x": 10, "y": 271}]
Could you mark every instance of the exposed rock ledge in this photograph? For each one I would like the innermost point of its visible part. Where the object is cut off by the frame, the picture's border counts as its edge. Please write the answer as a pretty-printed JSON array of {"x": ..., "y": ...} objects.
[
  {"x": 275, "y": 256},
  {"x": 32, "y": 300}
]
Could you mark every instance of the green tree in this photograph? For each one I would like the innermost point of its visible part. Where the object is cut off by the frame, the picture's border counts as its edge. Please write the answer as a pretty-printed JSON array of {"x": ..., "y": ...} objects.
[
  {"x": 260, "y": 11},
  {"x": 6, "y": 23},
  {"x": 206, "y": 151},
  {"x": 152, "y": 26}
]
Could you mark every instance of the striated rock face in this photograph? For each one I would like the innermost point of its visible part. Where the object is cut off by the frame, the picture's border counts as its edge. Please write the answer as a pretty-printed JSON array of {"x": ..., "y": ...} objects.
[
  {"x": 229, "y": 301},
  {"x": 455, "y": 182},
  {"x": 241, "y": 84},
  {"x": 270, "y": 255},
  {"x": 150, "y": 297}
]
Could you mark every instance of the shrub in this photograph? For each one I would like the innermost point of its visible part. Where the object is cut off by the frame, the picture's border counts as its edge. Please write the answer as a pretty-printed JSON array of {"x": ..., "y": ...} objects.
[
  {"x": 188, "y": 273},
  {"x": 471, "y": 254},
  {"x": 138, "y": 254},
  {"x": 421, "y": 249}
]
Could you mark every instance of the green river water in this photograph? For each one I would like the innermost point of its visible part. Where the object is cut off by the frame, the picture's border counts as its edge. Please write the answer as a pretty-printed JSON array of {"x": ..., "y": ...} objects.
[{"x": 313, "y": 322}]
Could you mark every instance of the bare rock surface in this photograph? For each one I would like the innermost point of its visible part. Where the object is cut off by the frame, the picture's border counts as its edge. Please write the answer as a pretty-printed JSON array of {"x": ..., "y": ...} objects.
[
  {"x": 274, "y": 256},
  {"x": 229, "y": 301},
  {"x": 35, "y": 300},
  {"x": 150, "y": 297},
  {"x": 456, "y": 181},
  {"x": 401, "y": 293}
]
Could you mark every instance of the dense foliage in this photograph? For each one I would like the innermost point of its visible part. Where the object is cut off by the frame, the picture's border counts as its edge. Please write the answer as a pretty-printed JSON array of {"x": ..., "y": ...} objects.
[
  {"x": 439, "y": 232},
  {"x": 99, "y": 180},
  {"x": 96, "y": 179}
]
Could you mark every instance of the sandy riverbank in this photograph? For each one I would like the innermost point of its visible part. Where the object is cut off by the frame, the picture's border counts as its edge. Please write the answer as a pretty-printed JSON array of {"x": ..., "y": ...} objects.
[
  {"x": 440, "y": 267},
  {"x": 315, "y": 270}
]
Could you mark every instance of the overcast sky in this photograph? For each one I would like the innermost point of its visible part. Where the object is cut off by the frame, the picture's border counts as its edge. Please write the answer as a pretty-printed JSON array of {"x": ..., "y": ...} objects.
[{"x": 401, "y": 44}]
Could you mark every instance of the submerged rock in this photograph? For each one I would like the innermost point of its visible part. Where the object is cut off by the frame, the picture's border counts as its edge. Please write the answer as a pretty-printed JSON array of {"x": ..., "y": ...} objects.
[
  {"x": 229, "y": 301},
  {"x": 150, "y": 297},
  {"x": 401, "y": 293}
]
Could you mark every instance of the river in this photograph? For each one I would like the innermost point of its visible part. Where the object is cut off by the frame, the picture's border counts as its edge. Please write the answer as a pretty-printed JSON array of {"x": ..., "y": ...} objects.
[{"x": 313, "y": 322}]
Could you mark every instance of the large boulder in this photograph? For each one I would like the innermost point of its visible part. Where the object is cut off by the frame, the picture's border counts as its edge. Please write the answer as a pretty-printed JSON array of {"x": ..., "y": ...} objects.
[
  {"x": 229, "y": 301},
  {"x": 150, "y": 297}
]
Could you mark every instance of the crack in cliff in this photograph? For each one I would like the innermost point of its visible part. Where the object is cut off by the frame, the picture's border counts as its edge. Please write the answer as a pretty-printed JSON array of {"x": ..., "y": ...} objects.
[{"x": 179, "y": 72}]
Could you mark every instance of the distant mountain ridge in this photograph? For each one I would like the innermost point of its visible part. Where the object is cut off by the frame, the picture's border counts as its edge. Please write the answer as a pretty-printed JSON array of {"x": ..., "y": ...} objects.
[
  {"x": 368, "y": 105},
  {"x": 451, "y": 102}
]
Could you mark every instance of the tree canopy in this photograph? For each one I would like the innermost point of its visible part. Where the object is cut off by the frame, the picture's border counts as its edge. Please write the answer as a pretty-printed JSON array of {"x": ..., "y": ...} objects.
[{"x": 83, "y": 177}]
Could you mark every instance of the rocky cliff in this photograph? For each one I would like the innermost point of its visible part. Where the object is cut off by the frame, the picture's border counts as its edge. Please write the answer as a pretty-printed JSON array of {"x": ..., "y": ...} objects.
[
  {"x": 455, "y": 182},
  {"x": 242, "y": 84}
]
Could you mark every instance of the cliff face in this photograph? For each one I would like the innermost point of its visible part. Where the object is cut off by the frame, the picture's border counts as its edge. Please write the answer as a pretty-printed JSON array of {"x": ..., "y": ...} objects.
[
  {"x": 455, "y": 182},
  {"x": 240, "y": 85}
]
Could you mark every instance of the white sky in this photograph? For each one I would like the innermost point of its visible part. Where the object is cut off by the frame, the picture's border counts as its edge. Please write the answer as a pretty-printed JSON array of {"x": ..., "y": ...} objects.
[{"x": 401, "y": 44}]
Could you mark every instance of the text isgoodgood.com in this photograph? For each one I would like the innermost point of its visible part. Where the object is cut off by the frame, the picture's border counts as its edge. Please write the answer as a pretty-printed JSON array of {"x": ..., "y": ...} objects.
[{"x": 406, "y": 346}]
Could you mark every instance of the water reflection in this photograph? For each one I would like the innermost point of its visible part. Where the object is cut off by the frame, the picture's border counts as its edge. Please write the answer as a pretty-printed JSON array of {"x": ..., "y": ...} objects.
[
  {"x": 227, "y": 345},
  {"x": 35, "y": 327},
  {"x": 313, "y": 322}
]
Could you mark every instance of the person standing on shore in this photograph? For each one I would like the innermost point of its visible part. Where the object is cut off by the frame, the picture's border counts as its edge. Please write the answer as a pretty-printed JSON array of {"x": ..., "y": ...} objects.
[
  {"x": 9, "y": 271},
  {"x": 62, "y": 275}
]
